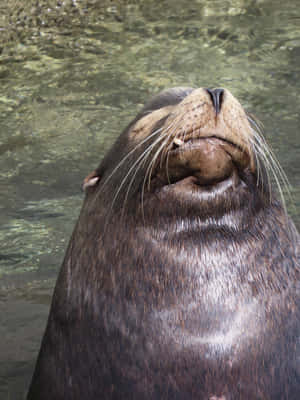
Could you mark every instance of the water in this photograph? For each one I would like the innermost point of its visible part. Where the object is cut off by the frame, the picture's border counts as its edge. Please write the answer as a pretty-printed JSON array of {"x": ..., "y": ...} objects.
[{"x": 69, "y": 85}]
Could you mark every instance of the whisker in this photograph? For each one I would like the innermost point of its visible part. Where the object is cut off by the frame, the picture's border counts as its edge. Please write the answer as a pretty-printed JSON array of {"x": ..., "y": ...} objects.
[
  {"x": 272, "y": 162},
  {"x": 163, "y": 145},
  {"x": 260, "y": 176},
  {"x": 259, "y": 127},
  {"x": 167, "y": 167},
  {"x": 153, "y": 161},
  {"x": 130, "y": 153},
  {"x": 148, "y": 172},
  {"x": 148, "y": 150},
  {"x": 167, "y": 154},
  {"x": 260, "y": 152},
  {"x": 141, "y": 160},
  {"x": 273, "y": 165},
  {"x": 278, "y": 171},
  {"x": 275, "y": 161}
]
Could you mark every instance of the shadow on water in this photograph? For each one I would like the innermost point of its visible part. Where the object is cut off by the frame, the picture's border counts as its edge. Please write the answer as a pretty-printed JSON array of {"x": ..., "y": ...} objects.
[{"x": 73, "y": 74}]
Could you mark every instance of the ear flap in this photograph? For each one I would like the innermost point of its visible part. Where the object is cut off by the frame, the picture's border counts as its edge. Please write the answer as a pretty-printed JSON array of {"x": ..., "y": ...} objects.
[{"x": 91, "y": 180}]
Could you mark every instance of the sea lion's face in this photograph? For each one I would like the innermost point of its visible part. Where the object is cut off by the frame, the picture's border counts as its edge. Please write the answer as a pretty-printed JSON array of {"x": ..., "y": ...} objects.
[
  {"x": 184, "y": 140},
  {"x": 207, "y": 136}
]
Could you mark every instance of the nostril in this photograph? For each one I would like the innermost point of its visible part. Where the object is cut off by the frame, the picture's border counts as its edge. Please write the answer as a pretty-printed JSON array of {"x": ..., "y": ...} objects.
[{"x": 216, "y": 96}]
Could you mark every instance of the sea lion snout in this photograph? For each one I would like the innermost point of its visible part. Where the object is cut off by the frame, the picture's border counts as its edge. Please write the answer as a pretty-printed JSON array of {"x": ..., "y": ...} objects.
[
  {"x": 206, "y": 113},
  {"x": 210, "y": 138}
]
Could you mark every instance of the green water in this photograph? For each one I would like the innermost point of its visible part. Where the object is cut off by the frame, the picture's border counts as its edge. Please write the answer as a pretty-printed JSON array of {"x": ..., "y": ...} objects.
[{"x": 71, "y": 78}]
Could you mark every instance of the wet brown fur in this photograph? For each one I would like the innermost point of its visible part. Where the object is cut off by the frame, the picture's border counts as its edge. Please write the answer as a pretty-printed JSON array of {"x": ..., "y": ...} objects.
[{"x": 181, "y": 291}]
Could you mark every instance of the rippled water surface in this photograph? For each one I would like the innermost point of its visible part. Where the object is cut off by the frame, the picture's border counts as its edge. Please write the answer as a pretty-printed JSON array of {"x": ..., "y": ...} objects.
[{"x": 71, "y": 81}]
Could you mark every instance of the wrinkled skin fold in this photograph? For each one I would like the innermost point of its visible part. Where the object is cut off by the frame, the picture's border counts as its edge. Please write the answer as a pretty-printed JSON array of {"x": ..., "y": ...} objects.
[{"x": 181, "y": 279}]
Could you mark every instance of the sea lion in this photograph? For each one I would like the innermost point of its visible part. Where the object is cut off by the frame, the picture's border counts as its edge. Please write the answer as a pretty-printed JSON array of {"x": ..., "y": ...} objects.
[{"x": 181, "y": 279}]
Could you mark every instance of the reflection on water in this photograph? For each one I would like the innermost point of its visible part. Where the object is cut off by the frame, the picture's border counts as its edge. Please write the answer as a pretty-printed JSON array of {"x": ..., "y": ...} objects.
[{"x": 70, "y": 81}]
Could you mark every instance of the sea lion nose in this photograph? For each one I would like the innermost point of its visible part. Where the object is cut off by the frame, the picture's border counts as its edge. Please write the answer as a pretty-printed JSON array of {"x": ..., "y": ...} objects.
[{"x": 216, "y": 96}]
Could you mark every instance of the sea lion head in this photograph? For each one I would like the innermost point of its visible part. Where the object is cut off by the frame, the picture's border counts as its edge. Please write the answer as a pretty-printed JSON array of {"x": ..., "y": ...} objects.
[
  {"x": 180, "y": 279},
  {"x": 194, "y": 146}
]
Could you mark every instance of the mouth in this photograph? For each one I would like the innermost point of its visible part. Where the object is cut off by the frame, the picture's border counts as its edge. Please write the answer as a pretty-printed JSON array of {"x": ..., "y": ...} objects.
[{"x": 209, "y": 160}]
